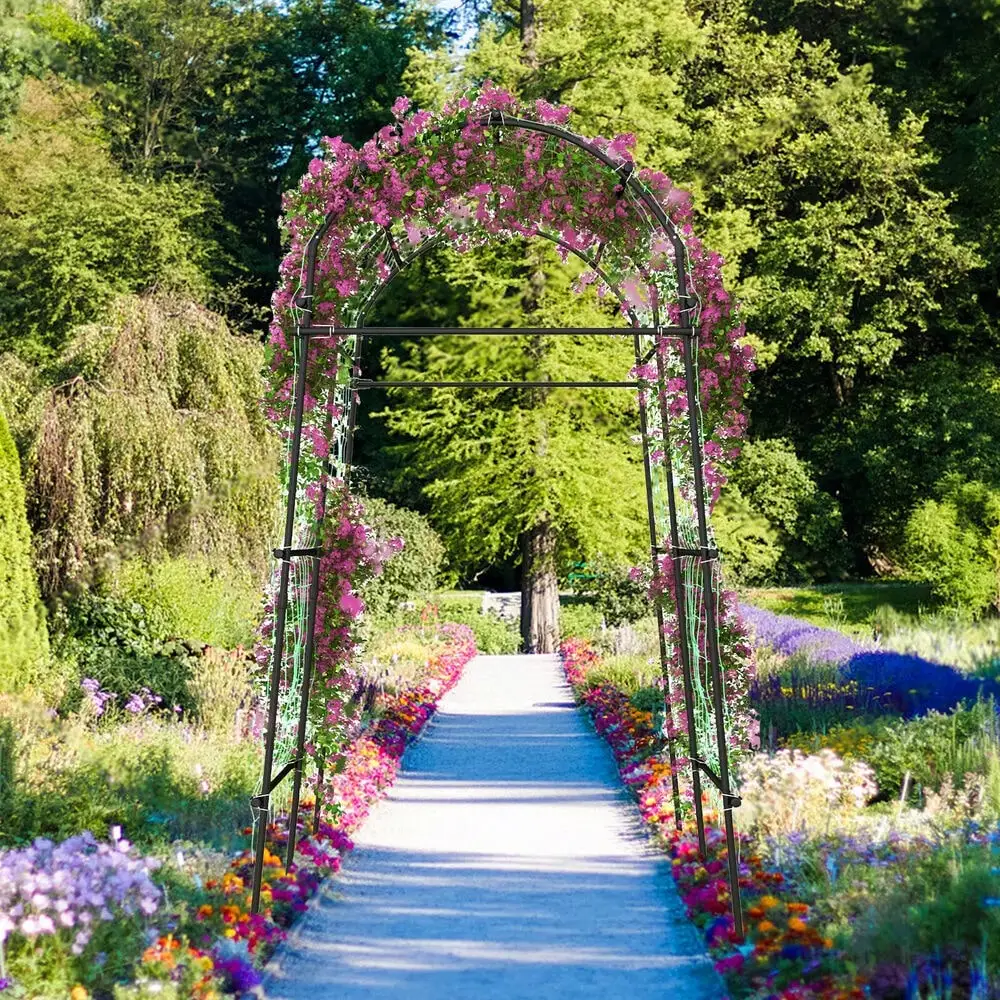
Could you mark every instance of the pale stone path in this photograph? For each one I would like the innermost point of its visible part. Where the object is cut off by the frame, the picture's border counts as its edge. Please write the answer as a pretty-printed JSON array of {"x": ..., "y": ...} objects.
[{"x": 506, "y": 862}]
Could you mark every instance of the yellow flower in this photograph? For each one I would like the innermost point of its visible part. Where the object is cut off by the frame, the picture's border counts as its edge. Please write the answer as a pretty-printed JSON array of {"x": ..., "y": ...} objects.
[
  {"x": 78, "y": 993},
  {"x": 768, "y": 902},
  {"x": 229, "y": 932}
]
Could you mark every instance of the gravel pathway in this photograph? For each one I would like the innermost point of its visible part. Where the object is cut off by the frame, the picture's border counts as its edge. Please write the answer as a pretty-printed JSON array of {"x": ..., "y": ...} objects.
[{"x": 506, "y": 862}]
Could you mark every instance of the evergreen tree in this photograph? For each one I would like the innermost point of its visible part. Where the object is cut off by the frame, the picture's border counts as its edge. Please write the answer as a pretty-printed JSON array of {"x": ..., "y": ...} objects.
[
  {"x": 23, "y": 640},
  {"x": 542, "y": 477}
]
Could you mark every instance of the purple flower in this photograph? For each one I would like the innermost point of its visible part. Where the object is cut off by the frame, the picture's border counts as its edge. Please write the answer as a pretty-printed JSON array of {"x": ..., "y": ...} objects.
[
  {"x": 787, "y": 635},
  {"x": 239, "y": 974},
  {"x": 871, "y": 679}
]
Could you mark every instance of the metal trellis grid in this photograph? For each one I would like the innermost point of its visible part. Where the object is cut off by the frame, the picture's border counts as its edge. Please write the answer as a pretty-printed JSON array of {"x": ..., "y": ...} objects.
[{"x": 676, "y": 509}]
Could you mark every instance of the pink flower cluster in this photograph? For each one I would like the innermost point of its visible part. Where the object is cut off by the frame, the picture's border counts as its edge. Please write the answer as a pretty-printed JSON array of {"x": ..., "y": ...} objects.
[
  {"x": 448, "y": 176},
  {"x": 373, "y": 759}
]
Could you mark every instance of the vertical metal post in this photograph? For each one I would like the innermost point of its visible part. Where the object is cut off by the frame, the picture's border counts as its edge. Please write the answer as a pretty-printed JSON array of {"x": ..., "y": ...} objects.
[
  {"x": 300, "y": 741},
  {"x": 308, "y": 657},
  {"x": 712, "y": 630},
  {"x": 683, "y": 625},
  {"x": 317, "y": 808},
  {"x": 262, "y": 801},
  {"x": 654, "y": 545}
]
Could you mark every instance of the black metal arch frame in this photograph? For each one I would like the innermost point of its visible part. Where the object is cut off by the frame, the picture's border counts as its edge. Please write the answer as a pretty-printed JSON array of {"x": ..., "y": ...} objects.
[{"x": 685, "y": 333}]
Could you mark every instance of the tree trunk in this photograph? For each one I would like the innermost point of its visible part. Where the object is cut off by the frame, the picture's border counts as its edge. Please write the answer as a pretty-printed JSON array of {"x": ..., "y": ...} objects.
[
  {"x": 539, "y": 590},
  {"x": 529, "y": 55}
]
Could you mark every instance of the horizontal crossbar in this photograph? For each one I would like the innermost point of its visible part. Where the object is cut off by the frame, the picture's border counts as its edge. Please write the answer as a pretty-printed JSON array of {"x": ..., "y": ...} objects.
[
  {"x": 291, "y": 553},
  {"x": 493, "y": 331},
  {"x": 708, "y": 554},
  {"x": 366, "y": 383}
]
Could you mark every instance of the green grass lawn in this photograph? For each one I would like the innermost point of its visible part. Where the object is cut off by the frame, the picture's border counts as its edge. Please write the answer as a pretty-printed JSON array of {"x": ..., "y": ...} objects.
[{"x": 847, "y": 606}]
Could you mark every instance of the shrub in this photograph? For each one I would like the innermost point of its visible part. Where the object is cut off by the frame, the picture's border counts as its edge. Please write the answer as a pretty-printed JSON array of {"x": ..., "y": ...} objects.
[
  {"x": 934, "y": 747},
  {"x": 953, "y": 544},
  {"x": 749, "y": 543},
  {"x": 152, "y": 440},
  {"x": 192, "y": 597},
  {"x": 615, "y": 593},
  {"x": 494, "y": 635},
  {"x": 775, "y": 523},
  {"x": 630, "y": 674},
  {"x": 124, "y": 647},
  {"x": 23, "y": 638},
  {"x": 220, "y": 687},
  {"x": 580, "y": 619},
  {"x": 411, "y": 574}
]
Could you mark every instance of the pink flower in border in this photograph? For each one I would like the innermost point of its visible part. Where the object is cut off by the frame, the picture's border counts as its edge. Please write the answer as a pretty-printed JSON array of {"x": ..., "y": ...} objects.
[{"x": 551, "y": 113}]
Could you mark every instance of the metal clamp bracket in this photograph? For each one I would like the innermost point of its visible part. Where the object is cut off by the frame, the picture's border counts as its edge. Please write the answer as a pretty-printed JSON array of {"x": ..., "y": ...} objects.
[
  {"x": 285, "y": 554},
  {"x": 730, "y": 800},
  {"x": 283, "y": 773}
]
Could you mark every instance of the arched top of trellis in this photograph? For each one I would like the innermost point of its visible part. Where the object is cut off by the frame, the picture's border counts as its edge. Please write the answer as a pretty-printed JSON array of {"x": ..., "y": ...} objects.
[
  {"x": 500, "y": 126},
  {"x": 486, "y": 168}
]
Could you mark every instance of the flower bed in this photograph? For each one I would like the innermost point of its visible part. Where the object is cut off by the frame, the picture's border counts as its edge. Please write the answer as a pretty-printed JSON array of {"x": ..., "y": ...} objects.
[
  {"x": 784, "y": 957},
  {"x": 874, "y": 681},
  {"x": 840, "y": 901},
  {"x": 82, "y": 918}
]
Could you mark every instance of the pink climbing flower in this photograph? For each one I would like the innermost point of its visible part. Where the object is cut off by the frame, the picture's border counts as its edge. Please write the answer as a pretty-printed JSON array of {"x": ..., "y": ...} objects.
[{"x": 352, "y": 605}]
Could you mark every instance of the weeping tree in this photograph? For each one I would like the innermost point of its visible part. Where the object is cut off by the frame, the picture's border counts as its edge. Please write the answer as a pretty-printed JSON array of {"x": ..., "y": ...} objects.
[
  {"x": 543, "y": 477},
  {"x": 150, "y": 442}
]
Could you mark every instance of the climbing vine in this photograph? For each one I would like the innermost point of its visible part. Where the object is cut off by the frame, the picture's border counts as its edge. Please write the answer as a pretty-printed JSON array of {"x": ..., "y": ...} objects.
[{"x": 463, "y": 176}]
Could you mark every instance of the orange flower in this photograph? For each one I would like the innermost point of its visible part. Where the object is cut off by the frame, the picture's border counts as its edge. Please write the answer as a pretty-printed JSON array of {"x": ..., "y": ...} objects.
[
  {"x": 798, "y": 907},
  {"x": 755, "y": 912},
  {"x": 204, "y": 912},
  {"x": 797, "y": 925},
  {"x": 79, "y": 993},
  {"x": 768, "y": 902},
  {"x": 766, "y": 927}
]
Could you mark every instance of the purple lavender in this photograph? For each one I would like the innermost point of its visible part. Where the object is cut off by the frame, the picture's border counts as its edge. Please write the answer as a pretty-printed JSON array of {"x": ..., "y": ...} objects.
[
  {"x": 787, "y": 635},
  {"x": 870, "y": 680}
]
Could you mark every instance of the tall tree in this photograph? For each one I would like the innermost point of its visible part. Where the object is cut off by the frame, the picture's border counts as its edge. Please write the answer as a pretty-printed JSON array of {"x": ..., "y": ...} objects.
[
  {"x": 818, "y": 190},
  {"x": 546, "y": 477},
  {"x": 237, "y": 95},
  {"x": 936, "y": 59}
]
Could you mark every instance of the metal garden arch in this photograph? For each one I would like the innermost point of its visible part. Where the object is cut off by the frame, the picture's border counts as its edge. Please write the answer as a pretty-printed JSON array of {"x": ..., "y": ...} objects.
[{"x": 665, "y": 339}]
